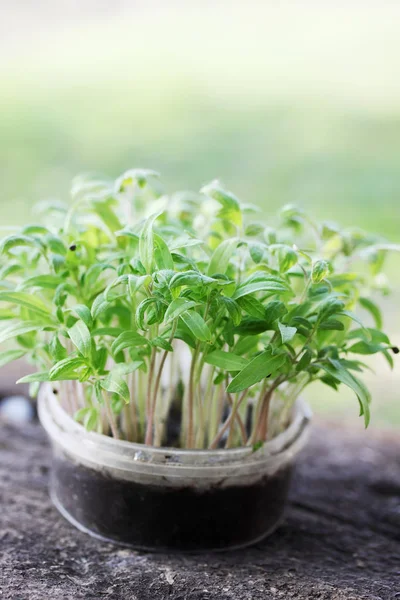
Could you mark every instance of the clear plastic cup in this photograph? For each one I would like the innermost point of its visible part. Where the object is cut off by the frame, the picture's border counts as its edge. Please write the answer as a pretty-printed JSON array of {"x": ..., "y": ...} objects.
[{"x": 166, "y": 499}]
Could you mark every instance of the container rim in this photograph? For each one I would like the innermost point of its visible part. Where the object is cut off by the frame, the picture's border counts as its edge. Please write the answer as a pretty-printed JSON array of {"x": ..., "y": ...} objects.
[{"x": 100, "y": 449}]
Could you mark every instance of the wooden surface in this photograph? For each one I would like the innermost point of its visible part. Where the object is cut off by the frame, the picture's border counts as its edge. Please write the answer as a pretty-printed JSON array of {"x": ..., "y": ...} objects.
[{"x": 340, "y": 539}]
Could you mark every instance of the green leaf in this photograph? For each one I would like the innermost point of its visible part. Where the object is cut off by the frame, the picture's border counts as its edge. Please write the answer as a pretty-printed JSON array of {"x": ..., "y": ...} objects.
[
  {"x": 111, "y": 331},
  {"x": 197, "y": 325},
  {"x": 177, "y": 307},
  {"x": 304, "y": 361},
  {"x": 27, "y": 301},
  {"x": 80, "y": 336},
  {"x": 190, "y": 279},
  {"x": 99, "y": 305},
  {"x": 369, "y": 334},
  {"x": 139, "y": 176},
  {"x": 106, "y": 213},
  {"x": 65, "y": 369},
  {"x": 162, "y": 254},
  {"x": 256, "y": 252},
  {"x": 263, "y": 283},
  {"x": 287, "y": 333},
  {"x": 83, "y": 313},
  {"x": 321, "y": 269},
  {"x": 10, "y": 355},
  {"x": 15, "y": 241},
  {"x": 226, "y": 360},
  {"x": 366, "y": 348},
  {"x": 336, "y": 370},
  {"x": 354, "y": 317},
  {"x": 146, "y": 243},
  {"x": 128, "y": 339},
  {"x": 253, "y": 229},
  {"x": 57, "y": 350},
  {"x": 331, "y": 325},
  {"x": 233, "y": 309},
  {"x": 263, "y": 365},
  {"x": 116, "y": 384},
  {"x": 287, "y": 258},
  {"x": 41, "y": 281},
  {"x": 230, "y": 204},
  {"x": 252, "y": 306},
  {"x": 184, "y": 241},
  {"x": 14, "y": 330},
  {"x": 222, "y": 254},
  {"x": 250, "y": 326},
  {"x": 163, "y": 343},
  {"x": 148, "y": 312},
  {"x": 34, "y": 377},
  {"x": 374, "y": 310}
]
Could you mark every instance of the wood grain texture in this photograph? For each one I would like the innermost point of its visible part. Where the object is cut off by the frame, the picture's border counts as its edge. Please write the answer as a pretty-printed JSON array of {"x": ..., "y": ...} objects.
[{"x": 340, "y": 539}]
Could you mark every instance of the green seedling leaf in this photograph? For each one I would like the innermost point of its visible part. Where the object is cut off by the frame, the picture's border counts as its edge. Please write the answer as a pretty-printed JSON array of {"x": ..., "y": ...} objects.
[
  {"x": 116, "y": 384},
  {"x": 41, "y": 281},
  {"x": 99, "y": 306},
  {"x": 221, "y": 257},
  {"x": 226, "y": 360},
  {"x": 374, "y": 310},
  {"x": 178, "y": 307},
  {"x": 336, "y": 370},
  {"x": 197, "y": 325},
  {"x": 14, "y": 330},
  {"x": 66, "y": 368},
  {"x": 162, "y": 254},
  {"x": 233, "y": 309},
  {"x": 321, "y": 269},
  {"x": 10, "y": 355},
  {"x": 263, "y": 365},
  {"x": 40, "y": 376},
  {"x": 128, "y": 339},
  {"x": 17, "y": 241},
  {"x": 146, "y": 243},
  {"x": 264, "y": 283},
  {"x": 80, "y": 336},
  {"x": 83, "y": 313},
  {"x": 252, "y": 306},
  {"x": 28, "y": 301},
  {"x": 287, "y": 333}
]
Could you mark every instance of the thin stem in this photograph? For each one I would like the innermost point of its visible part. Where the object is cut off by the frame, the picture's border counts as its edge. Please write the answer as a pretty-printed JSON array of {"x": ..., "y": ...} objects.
[
  {"x": 133, "y": 407},
  {"x": 149, "y": 430},
  {"x": 236, "y": 417},
  {"x": 227, "y": 423},
  {"x": 190, "y": 431},
  {"x": 110, "y": 417},
  {"x": 264, "y": 414},
  {"x": 149, "y": 403},
  {"x": 128, "y": 424}
]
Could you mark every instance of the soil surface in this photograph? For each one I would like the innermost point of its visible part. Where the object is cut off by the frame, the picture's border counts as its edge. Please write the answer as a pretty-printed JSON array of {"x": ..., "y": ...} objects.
[{"x": 340, "y": 539}]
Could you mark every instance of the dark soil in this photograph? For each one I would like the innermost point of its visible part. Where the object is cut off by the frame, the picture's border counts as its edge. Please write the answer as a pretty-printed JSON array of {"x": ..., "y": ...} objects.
[{"x": 170, "y": 518}]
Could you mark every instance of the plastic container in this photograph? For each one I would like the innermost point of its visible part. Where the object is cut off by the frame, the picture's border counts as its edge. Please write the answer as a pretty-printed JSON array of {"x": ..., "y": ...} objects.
[{"x": 164, "y": 499}]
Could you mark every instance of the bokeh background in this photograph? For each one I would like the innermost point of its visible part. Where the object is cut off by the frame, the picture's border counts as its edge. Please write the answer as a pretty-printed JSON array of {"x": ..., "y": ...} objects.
[{"x": 285, "y": 102}]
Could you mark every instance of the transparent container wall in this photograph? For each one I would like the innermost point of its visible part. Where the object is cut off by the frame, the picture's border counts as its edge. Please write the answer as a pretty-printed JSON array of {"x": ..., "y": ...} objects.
[{"x": 167, "y": 499}]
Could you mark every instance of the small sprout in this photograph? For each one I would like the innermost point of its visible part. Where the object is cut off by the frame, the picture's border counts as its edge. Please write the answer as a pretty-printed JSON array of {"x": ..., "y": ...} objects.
[
  {"x": 187, "y": 321},
  {"x": 320, "y": 270}
]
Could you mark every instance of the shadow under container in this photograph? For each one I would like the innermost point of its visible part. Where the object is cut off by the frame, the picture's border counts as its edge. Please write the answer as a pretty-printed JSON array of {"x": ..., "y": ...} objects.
[{"x": 166, "y": 499}]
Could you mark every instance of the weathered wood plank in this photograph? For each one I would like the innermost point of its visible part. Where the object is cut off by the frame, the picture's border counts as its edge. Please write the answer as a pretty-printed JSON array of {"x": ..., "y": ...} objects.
[{"x": 340, "y": 540}]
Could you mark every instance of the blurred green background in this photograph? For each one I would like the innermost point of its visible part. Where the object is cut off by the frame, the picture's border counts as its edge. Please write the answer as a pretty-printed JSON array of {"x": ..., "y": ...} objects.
[{"x": 285, "y": 103}]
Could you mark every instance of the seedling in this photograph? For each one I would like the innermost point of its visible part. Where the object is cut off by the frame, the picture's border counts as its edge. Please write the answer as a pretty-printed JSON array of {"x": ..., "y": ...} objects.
[{"x": 183, "y": 319}]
